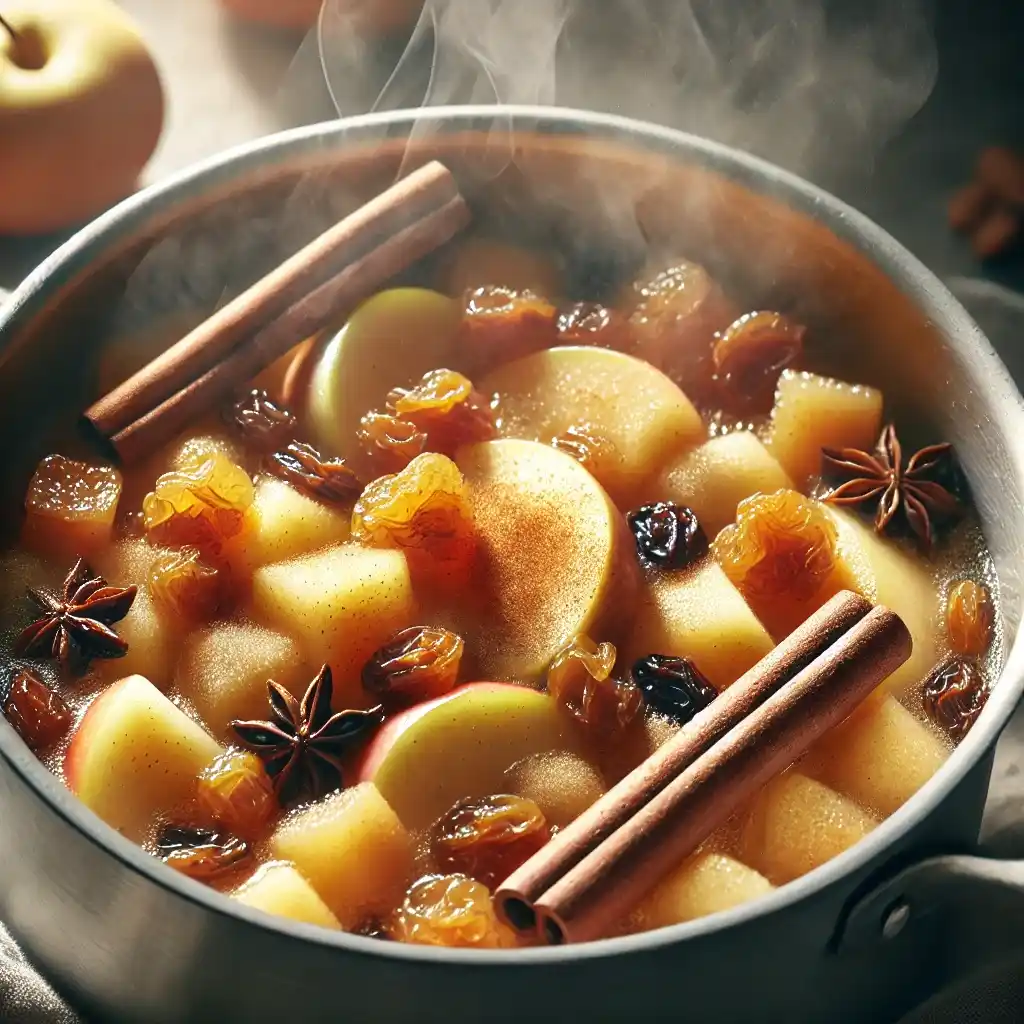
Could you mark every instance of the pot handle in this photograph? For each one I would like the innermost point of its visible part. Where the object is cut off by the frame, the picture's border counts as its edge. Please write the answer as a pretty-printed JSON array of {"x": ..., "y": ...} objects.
[{"x": 939, "y": 887}]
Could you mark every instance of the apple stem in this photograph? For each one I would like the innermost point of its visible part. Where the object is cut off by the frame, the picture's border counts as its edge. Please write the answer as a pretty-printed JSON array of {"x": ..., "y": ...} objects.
[{"x": 10, "y": 28}]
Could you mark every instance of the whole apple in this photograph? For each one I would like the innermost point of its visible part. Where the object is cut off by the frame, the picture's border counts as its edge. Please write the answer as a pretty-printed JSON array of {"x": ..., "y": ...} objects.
[
  {"x": 365, "y": 17},
  {"x": 81, "y": 111}
]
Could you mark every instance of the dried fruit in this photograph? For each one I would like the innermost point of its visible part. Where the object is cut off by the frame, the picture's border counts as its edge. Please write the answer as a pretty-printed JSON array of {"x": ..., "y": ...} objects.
[
  {"x": 202, "y": 854},
  {"x": 77, "y": 625},
  {"x": 423, "y": 510},
  {"x": 188, "y": 585},
  {"x": 266, "y": 425},
  {"x": 329, "y": 480},
  {"x": 390, "y": 442},
  {"x": 954, "y": 696},
  {"x": 303, "y": 744},
  {"x": 750, "y": 354},
  {"x": 677, "y": 314},
  {"x": 203, "y": 503},
  {"x": 969, "y": 617},
  {"x": 672, "y": 686},
  {"x": 39, "y": 715},
  {"x": 500, "y": 324},
  {"x": 591, "y": 450},
  {"x": 590, "y": 323},
  {"x": 451, "y": 910},
  {"x": 373, "y": 929},
  {"x": 416, "y": 664},
  {"x": 668, "y": 536},
  {"x": 580, "y": 678},
  {"x": 446, "y": 407},
  {"x": 489, "y": 837},
  {"x": 237, "y": 793},
  {"x": 781, "y": 546}
]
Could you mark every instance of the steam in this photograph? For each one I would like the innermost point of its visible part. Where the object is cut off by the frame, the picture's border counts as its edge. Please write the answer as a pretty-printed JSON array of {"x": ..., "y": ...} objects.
[{"x": 817, "y": 86}]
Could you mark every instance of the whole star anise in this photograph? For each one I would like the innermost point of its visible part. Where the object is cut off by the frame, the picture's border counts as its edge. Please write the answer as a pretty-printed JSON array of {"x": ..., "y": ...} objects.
[
  {"x": 917, "y": 491},
  {"x": 305, "y": 468},
  {"x": 76, "y": 626},
  {"x": 303, "y": 744}
]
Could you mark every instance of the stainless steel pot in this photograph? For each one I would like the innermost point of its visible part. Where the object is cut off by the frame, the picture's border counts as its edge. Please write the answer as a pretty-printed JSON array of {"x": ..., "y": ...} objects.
[{"x": 123, "y": 936}]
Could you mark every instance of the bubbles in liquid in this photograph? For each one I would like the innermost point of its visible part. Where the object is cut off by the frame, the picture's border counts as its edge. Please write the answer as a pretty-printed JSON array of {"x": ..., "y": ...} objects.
[{"x": 561, "y": 783}]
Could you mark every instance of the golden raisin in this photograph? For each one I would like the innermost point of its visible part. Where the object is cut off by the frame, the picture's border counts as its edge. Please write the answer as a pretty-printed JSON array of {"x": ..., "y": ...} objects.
[
  {"x": 781, "y": 547},
  {"x": 70, "y": 506},
  {"x": 969, "y": 617},
  {"x": 488, "y": 838},
  {"x": 590, "y": 323},
  {"x": 416, "y": 664},
  {"x": 674, "y": 322},
  {"x": 750, "y": 354},
  {"x": 390, "y": 442},
  {"x": 202, "y": 503},
  {"x": 500, "y": 324},
  {"x": 206, "y": 856},
  {"x": 39, "y": 715},
  {"x": 446, "y": 407},
  {"x": 186, "y": 584},
  {"x": 423, "y": 510},
  {"x": 591, "y": 449},
  {"x": 236, "y": 792},
  {"x": 451, "y": 910},
  {"x": 580, "y": 679}
]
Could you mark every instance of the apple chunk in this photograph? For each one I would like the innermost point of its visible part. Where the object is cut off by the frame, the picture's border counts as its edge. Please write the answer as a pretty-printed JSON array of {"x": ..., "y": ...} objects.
[
  {"x": 135, "y": 754},
  {"x": 353, "y": 851},
  {"x": 623, "y": 403},
  {"x": 224, "y": 670},
  {"x": 880, "y": 756},
  {"x": 562, "y": 784},
  {"x": 341, "y": 604},
  {"x": 554, "y": 556},
  {"x": 697, "y": 613},
  {"x": 390, "y": 341},
  {"x": 812, "y": 413},
  {"x": 429, "y": 757},
  {"x": 797, "y": 824},
  {"x": 714, "y": 478},
  {"x": 701, "y": 885},
  {"x": 277, "y": 888}
]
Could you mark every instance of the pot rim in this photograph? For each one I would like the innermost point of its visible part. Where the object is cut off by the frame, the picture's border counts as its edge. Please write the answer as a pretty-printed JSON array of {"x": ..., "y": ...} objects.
[{"x": 976, "y": 358}]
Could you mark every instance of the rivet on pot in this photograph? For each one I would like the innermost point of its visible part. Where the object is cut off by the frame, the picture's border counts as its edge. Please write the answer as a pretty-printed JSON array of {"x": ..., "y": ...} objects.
[{"x": 895, "y": 919}]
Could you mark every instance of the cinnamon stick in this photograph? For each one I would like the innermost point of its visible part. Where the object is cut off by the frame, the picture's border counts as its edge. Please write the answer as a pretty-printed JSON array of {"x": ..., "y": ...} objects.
[
  {"x": 515, "y": 897},
  {"x": 429, "y": 196},
  {"x": 611, "y": 880}
]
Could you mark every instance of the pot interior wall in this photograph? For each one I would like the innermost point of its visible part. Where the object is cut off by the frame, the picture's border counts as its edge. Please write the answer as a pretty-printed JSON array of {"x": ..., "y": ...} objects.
[{"x": 600, "y": 207}]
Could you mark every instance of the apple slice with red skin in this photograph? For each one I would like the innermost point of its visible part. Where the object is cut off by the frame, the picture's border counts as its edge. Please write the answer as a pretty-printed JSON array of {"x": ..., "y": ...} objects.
[
  {"x": 430, "y": 756},
  {"x": 135, "y": 754}
]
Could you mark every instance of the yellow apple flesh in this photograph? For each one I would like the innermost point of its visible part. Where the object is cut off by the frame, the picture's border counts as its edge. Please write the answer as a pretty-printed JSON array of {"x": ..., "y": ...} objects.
[
  {"x": 81, "y": 110},
  {"x": 277, "y": 888}
]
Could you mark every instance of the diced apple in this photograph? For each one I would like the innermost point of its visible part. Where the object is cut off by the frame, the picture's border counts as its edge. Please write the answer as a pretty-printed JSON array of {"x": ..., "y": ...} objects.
[
  {"x": 482, "y": 261},
  {"x": 697, "y": 613},
  {"x": 641, "y": 417},
  {"x": 353, "y": 851},
  {"x": 427, "y": 758},
  {"x": 812, "y": 413},
  {"x": 704, "y": 884},
  {"x": 797, "y": 824},
  {"x": 562, "y": 784},
  {"x": 555, "y": 556},
  {"x": 880, "y": 756},
  {"x": 390, "y": 341},
  {"x": 886, "y": 574},
  {"x": 153, "y": 640},
  {"x": 135, "y": 754},
  {"x": 714, "y": 478},
  {"x": 224, "y": 670},
  {"x": 341, "y": 604},
  {"x": 277, "y": 888},
  {"x": 284, "y": 523}
]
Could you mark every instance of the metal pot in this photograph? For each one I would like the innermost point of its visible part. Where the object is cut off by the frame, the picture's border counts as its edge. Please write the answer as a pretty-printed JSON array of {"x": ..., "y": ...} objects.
[{"x": 122, "y": 936}]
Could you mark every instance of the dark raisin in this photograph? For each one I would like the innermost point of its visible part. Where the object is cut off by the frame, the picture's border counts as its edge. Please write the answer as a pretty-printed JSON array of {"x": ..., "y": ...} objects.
[
  {"x": 954, "y": 696},
  {"x": 668, "y": 536},
  {"x": 261, "y": 421},
  {"x": 672, "y": 686},
  {"x": 202, "y": 854},
  {"x": 39, "y": 715}
]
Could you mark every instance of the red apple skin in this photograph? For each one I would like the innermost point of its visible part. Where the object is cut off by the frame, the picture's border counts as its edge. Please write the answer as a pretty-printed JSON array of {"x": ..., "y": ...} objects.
[
  {"x": 80, "y": 738},
  {"x": 384, "y": 739}
]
